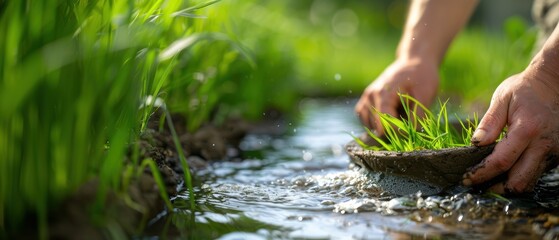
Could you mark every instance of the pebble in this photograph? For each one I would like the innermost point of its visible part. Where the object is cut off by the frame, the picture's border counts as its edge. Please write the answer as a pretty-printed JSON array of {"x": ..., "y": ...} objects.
[{"x": 327, "y": 202}]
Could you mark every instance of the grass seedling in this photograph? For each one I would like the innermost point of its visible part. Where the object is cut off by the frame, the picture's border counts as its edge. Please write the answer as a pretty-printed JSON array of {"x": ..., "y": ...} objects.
[
  {"x": 497, "y": 196},
  {"x": 413, "y": 131}
]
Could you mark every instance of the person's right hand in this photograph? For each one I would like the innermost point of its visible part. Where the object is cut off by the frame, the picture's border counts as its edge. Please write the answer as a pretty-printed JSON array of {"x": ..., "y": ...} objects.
[{"x": 416, "y": 77}]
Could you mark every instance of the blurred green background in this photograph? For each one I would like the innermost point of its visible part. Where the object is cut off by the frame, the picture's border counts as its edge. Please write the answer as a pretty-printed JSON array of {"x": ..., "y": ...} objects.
[{"x": 74, "y": 73}]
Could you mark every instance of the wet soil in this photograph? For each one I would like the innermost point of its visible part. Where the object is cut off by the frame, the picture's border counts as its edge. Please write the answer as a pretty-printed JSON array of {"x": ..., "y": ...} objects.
[{"x": 126, "y": 214}]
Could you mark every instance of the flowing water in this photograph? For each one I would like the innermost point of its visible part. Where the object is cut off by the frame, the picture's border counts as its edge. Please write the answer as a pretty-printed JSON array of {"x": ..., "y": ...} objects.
[{"x": 301, "y": 185}]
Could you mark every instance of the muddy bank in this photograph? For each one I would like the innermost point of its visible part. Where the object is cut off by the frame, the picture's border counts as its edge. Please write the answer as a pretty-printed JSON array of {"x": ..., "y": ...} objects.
[{"x": 125, "y": 213}]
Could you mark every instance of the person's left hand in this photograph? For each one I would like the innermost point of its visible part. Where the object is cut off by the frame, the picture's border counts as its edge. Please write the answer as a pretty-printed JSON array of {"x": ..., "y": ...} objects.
[{"x": 528, "y": 105}]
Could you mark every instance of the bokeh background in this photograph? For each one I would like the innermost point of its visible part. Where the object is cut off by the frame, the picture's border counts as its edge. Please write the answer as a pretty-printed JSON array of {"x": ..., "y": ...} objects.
[{"x": 74, "y": 75}]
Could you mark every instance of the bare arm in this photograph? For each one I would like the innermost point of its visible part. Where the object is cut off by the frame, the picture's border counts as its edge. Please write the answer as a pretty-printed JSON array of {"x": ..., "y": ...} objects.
[
  {"x": 430, "y": 27},
  {"x": 528, "y": 104}
]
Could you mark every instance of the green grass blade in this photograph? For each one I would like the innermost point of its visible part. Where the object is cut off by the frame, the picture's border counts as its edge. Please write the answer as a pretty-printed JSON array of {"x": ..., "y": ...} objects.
[
  {"x": 158, "y": 180},
  {"x": 195, "y": 7},
  {"x": 184, "y": 163}
]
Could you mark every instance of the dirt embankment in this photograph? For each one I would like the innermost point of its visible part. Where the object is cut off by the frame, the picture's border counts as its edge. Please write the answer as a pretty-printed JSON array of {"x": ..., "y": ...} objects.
[{"x": 77, "y": 217}]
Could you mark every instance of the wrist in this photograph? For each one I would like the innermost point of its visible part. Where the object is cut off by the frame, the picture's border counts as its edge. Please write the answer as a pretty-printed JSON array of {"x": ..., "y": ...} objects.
[
  {"x": 545, "y": 63},
  {"x": 418, "y": 60},
  {"x": 419, "y": 42},
  {"x": 418, "y": 53}
]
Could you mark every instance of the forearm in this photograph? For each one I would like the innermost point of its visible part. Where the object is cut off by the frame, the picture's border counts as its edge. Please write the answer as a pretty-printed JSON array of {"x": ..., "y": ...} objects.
[
  {"x": 430, "y": 27},
  {"x": 547, "y": 58}
]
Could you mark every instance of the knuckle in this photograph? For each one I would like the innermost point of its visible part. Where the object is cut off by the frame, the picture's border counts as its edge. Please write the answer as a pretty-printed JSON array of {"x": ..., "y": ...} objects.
[
  {"x": 518, "y": 185},
  {"x": 501, "y": 164},
  {"x": 359, "y": 107},
  {"x": 370, "y": 90},
  {"x": 530, "y": 128},
  {"x": 491, "y": 120},
  {"x": 382, "y": 92}
]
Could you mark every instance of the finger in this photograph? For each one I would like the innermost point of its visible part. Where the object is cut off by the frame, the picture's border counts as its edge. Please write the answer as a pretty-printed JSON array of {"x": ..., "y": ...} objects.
[
  {"x": 493, "y": 121},
  {"x": 363, "y": 110},
  {"x": 498, "y": 188},
  {"x": 503, "y": 157},
  {"x": 424, "y": 99},
  {"x": 523, "y": 176},
  {"x": 385, "y": 104}
]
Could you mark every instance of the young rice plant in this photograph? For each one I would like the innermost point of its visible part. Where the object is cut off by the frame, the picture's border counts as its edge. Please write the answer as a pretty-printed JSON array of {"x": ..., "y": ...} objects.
[{"x": 412, "y": 132}]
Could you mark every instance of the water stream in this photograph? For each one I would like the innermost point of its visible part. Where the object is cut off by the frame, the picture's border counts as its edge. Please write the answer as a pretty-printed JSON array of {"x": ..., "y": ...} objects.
[{"x": 301, "y": 185}]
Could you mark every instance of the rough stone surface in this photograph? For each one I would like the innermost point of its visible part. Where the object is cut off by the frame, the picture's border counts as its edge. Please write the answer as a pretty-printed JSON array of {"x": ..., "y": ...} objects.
[{"x": 441, "y": 168}]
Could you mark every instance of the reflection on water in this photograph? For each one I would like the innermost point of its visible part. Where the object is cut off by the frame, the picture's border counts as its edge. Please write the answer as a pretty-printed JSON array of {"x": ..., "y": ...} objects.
[{"x": 302, "y": 186}]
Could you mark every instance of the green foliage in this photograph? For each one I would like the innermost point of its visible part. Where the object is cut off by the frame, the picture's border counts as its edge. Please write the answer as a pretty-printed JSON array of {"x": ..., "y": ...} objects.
[
  {"x": 412, "y": 131},
  {"x": 73, "y": 75},
  {"x": 69, "y": 102},
  {"x": 242, "y": 71},
  {"x": 478, "y": 61}
]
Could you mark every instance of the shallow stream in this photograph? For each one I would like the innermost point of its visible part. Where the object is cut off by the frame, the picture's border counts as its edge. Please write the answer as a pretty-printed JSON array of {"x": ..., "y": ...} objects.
[{"x": 301, "y": 185}]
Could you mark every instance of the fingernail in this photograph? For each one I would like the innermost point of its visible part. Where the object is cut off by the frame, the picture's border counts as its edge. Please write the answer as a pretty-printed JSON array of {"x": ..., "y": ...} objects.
[
  {"x": 478, "y": 135},
  {"x": 467, "y": 182}
]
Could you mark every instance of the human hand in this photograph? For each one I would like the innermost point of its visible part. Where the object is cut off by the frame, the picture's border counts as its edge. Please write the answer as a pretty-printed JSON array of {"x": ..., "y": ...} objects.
[
  {"x": 417, "y": 77},
  {"x": 528, "y": 105}
]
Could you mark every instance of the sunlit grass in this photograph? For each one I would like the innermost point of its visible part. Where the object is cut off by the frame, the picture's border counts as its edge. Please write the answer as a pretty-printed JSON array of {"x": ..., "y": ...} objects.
[
  {"x": 412, "y": 131},
  {"x": 69, "y": 103},
  {"x": 73, "y": 76}
]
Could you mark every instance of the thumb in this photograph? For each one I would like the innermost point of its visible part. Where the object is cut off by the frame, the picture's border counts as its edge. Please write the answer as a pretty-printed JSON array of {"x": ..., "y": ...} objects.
[
  {"x": 492, "y": 122},
  {"x": 387, "y": 105}
]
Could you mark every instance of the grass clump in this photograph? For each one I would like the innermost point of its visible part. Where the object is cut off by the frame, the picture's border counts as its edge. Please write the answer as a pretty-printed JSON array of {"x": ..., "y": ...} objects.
[
  {"x": 412, "y": 132},
  {"x": 74, "y": 75}
]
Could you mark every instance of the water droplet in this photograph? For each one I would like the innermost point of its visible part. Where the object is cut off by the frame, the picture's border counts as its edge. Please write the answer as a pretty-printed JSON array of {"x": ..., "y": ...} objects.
[
  {"x": 307, "y": 156},
  {"x": 413, "y": 38},
  {"x": 338, "y": 77}
]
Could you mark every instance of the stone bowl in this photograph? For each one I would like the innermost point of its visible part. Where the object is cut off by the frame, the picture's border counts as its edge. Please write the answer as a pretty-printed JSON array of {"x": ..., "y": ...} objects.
[
  {"x": 436, "y": 171},
  {"x": 428, "y": 171}
]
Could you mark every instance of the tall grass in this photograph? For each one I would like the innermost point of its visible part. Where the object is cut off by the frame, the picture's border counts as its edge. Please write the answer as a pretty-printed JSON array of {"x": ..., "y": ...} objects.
[
  {"x": 73, "y": 75},
  {"x": 241, "y": 69},
  {"x": 69, "y": 101}
]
